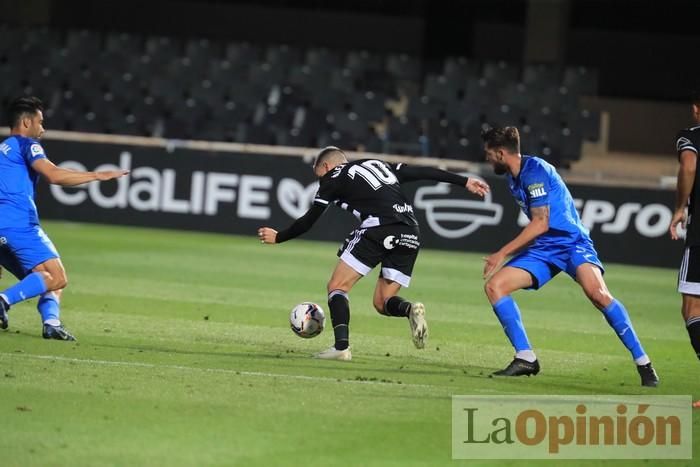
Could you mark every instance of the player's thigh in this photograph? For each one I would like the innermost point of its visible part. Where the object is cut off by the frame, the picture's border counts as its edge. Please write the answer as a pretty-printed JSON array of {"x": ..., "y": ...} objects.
[
  {"x": 506, "y": 281},
  {"x": 400, "y": 244},
  {"x": 691, "y": 306},
  {"x": 359, "y": 252},
  {"x": 541, "y": 265},
  {"x": 344, "y": 277},
  {"x": 590, "y": 277},
  {"x": 54, "y": 267},
  {"x": 30, "y": 247}
]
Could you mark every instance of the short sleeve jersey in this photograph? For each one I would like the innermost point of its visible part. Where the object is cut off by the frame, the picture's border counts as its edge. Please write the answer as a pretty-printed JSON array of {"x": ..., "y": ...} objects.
[
  {"x": 370, "y": 190},
  {"x": 689, "y": 140},
  {"x": 538, "y": 184},
  {"x": 17, "y": 181}
]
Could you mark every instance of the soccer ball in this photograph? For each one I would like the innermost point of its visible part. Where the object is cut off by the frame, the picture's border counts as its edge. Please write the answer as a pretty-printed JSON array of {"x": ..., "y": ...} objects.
[{"x": 306, "y": 320}]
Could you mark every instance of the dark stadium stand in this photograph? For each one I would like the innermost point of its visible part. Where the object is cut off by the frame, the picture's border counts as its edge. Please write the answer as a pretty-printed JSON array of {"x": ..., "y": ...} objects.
[{"x": 278, "y": 94}]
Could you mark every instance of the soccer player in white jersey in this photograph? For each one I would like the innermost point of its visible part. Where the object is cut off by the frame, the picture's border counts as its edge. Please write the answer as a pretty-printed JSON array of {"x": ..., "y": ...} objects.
[{"x": 388, "y": 235}]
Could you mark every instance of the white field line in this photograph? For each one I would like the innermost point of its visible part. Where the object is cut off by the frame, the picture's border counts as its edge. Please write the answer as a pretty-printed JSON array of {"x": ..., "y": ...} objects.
[{"x": 262, "y": 374}]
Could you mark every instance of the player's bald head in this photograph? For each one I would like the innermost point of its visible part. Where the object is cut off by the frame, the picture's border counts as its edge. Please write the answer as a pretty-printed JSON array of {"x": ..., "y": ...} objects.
[
  {"x": 330, "y": 154},
  {"x": 328, "y": 158}
]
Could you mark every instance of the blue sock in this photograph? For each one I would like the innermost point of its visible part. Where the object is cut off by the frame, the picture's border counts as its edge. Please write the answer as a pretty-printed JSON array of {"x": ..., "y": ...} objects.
[
  {"x": 617, "y": 317},
  {"x": 48, "y": 307},
  {"x": 509, "y": 315},
  {"x": 27, "y": 288}
]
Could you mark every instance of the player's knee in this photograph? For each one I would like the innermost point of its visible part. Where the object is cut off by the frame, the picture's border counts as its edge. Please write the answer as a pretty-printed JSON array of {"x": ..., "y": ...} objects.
[
  {"x": 493, "y": 289},
  {"x": 600, "y": 298},
  {"x": 331, "y": 286},
  {"x": 56, "y": 281}
]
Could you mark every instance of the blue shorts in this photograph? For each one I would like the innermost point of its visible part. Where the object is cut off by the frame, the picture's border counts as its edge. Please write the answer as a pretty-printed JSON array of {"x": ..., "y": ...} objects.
[
  {"x": 22, "y": 249},
  {"x": 545, "y": 262}
]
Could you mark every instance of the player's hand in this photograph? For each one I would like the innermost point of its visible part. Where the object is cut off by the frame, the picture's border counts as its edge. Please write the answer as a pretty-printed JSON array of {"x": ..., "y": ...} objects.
[
  {"x": 679, "y": 217},
  {"x": 267, "y": 235},
  {"x": 110, "y": 174},
  {"x": 478, "y": 187},
  {"x": 493, "y": 263}
]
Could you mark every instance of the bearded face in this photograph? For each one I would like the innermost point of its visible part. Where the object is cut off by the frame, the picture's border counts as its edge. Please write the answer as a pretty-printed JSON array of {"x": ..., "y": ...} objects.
[
  {"x": 499, "y": 168},
  {"x": 495, "y": 158}
]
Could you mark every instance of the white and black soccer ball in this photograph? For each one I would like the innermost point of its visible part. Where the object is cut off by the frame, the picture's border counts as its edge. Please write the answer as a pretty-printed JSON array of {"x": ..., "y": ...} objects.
[{"x": 307, "y": 320}]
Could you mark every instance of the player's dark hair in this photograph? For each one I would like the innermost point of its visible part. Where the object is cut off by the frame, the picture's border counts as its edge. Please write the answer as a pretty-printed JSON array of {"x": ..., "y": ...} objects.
[
  {"x": 507, "y": 138},
  {"x": 695, "y": 97},
  {"x": 21, "y": 106},
  {"x": 327, "y": 153}
]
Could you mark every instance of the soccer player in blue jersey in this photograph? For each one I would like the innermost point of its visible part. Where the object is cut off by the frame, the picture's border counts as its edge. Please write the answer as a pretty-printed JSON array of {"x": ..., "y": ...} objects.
[
  {"x": 25, "y": 250},
  {"x": 555, "y": 240}
]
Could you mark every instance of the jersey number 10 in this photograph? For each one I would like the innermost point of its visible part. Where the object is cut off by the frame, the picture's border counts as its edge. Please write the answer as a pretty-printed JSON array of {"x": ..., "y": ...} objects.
[{"x": 373, "y": 172}]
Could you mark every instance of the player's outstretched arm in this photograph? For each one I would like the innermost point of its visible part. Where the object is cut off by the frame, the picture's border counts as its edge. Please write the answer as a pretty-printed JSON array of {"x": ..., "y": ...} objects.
[
  {"x": 300, "y": 226},
  {"x": 409, "y": 173},
  {"x": 67, "y": 177}
]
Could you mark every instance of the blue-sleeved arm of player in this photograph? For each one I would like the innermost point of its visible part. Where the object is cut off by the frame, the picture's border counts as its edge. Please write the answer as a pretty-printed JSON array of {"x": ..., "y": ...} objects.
[
  {"x": 32, "y": 153},
  {"x": 301, "y": 225},
  {"x": 537, "y": 186},
  {"x": 409, "y": 173}
]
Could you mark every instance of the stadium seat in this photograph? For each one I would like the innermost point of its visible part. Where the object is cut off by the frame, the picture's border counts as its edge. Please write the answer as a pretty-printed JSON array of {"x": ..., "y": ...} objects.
[
  {"x": 439, "y": 87},
  {"x": 500, "y": 72},
  {"x": 403, "y": 67},
  {"x": 282, "y": 94},
  {"x": 283, "y": 55},
  {"x": 459, "y": 69},
  {"x": 84, "y": 42},
  {"x": 368, "y": 105},
  {"x": 322, "y": 57},
  {"x": 122, "y": 43},
  {"x": 425, "y": 107},
  {"x": 201, "y": 51},
  {"x": 360, "y": 61},
  {"x": 243, "y": 53},
  {"x": 541, "y": 76},
  {"x": 582, "y": 80}
]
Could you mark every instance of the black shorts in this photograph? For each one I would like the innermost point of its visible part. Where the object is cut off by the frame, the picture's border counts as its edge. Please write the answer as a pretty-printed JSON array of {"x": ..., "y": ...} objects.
[
  {"x": 395, "y": 246},
  {"x": 689, "y": 273}
]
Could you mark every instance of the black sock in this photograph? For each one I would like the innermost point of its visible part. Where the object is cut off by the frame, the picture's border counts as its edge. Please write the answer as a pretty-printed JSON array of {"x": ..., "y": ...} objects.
[
  {"x": 693, "y": 325},
  {"x": 340, "y": 317},
  {"x": 397, "y": 306}
]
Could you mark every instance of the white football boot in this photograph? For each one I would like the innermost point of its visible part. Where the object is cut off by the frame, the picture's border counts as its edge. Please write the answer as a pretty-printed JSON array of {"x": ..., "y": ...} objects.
[
  {"x": 419, "y": 327},
  {"x": 333, "y": 354}
]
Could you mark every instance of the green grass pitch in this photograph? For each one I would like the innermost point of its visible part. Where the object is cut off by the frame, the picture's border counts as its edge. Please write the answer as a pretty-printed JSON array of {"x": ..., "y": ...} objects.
[{"x": 185, "y": 356}]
